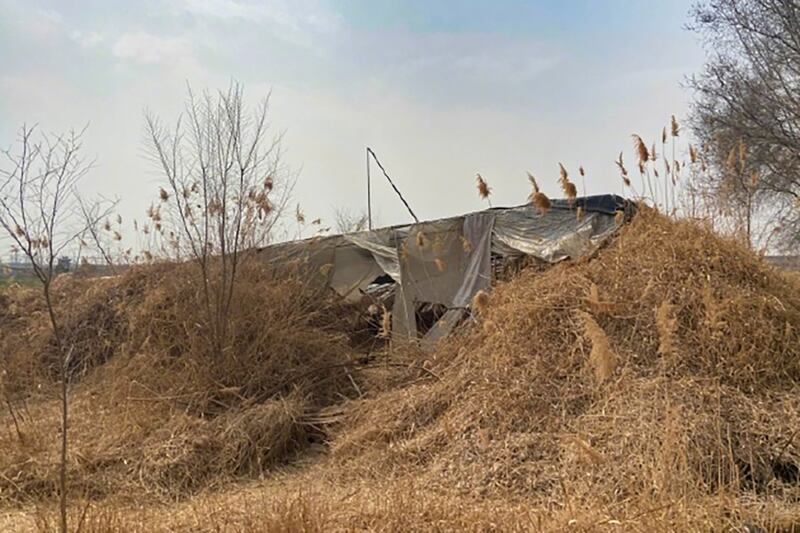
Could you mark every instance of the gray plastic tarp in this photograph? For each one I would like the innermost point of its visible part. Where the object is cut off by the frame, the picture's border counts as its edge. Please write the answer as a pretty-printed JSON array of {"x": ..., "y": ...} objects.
[
  {"x": 381, "y": 243},
  {"x": 446, "y": 262},
  {"x": 552, "y": 236}
]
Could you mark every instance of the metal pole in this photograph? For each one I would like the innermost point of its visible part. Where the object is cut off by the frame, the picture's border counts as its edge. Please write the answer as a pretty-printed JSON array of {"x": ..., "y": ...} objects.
[{"x": 369, "y": 194}]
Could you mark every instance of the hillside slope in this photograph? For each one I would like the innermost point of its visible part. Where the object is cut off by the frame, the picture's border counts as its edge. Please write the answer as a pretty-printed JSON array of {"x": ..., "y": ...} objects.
[{"x": 653, "y": 386}]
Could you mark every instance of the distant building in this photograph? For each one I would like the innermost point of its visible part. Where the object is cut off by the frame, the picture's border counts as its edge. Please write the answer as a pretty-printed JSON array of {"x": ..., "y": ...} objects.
[{"x": 64, "y": 264}]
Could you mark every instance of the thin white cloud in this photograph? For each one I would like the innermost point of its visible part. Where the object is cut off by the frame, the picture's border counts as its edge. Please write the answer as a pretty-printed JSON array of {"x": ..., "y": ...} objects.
[
  {"x": 511, "y": 64},
  {"x": 225, "y": 9},
  {"x": 295, "y": 21},
  {"x": 146, "y": 48},
  {"x": 87, "y": 39},
  {"x": 474, "y": 62},
  {"x": 36, "y": 23}
]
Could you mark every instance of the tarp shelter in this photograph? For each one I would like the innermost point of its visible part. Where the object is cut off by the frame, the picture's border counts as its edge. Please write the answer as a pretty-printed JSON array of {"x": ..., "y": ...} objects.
[{"x": 446, "y": 262}]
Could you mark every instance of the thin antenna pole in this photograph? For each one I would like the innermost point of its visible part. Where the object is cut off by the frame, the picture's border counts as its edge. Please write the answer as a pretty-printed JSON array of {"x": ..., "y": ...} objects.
[
  {"x": 369, "y": 194},
  {"x": 375, "y": 157}
]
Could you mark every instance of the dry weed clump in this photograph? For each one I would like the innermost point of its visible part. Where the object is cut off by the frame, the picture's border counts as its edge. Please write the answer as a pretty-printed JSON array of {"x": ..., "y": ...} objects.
[
  {"x": 154, "y": 410},
  {"x": 285, "y": 333}
]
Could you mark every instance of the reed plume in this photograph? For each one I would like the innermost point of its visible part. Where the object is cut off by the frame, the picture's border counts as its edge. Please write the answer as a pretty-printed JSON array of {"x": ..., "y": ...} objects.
[
  {"x": 537, "y": 197},
  {"x": 570, "y": 191},
  {"x": 742, "y": 155},
  {"x": 730, "y": 161},
  {"x": 623, "y": 171},
  {"x": 483, "y": 188},
  {"x": 421, "y": 240},
  {"x": 674, "y": 126},
  {"x": 386, "y": 325},
  {"x": 641, "y": 150},
  {"x": 465, "y": 244},
  {"x": 480, "y": 302}
]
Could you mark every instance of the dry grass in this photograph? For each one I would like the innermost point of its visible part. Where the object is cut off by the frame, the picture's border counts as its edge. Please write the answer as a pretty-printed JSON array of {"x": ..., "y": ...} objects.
[
  {"x": 154, "y": 411},
  {"x": 715, "y": 426},
  {"x": 507, "y": 428},
  {"x": 667, "y": 326}
]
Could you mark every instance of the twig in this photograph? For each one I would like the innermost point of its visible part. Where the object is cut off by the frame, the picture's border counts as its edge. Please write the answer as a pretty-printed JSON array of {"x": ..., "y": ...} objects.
[
  {"x": 14, "y": 418},
  {"x": 355, "y": 385},
  {"x": 786, "y": 446}
]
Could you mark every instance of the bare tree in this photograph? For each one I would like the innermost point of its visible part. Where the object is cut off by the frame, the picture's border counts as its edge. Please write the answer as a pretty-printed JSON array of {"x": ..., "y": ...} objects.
[
  {"x": 348, "y": 222},
  {"x": 225, "y": 189},
  {"x": 38, "y": 212},
  {"x": 749, "y": 92},
  {"x": 102, "y": 238}
]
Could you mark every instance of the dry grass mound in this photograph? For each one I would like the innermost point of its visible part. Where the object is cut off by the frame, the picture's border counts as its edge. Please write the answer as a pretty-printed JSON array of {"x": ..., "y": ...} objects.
[
  {"x": 154, "y": 410},
  {"x": 664, "y": 370},
  {"x": 655, "y": 386},
  {"x": 93, "y": 317}
]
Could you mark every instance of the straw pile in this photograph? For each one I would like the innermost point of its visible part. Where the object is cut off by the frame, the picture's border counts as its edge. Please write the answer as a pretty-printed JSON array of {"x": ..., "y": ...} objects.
[
  {"x": 664, "y": 370},
  {"x": 653, "y": 386}
]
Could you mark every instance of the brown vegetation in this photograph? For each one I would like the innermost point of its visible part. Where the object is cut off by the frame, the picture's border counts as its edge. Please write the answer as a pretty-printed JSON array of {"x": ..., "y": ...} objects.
[{"x": 504, "y": 425}]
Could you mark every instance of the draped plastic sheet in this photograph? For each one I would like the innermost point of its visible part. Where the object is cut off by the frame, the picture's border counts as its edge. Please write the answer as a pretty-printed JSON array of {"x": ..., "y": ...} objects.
[
  {"x": 476, "y": 241},
  {"x": 443, "y": 326},
  {"x": 552, "y": 236},
  {"x": 431, "y": 269},
  {"x": 309, "y": 257},
  {"x": 383, "y": 246},
  {"x": 353, "y": 270},
  {"x": 334, "y": 261},
  {"x": 477, "y": 234},
  {"x": 454, "y": 261},
  {"x": 404, "y": 317},
  {"x": 433, "y": 272}
]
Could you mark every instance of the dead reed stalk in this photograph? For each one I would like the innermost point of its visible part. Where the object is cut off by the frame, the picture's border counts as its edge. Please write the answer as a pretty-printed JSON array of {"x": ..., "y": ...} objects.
[
  {"x": 602, "y": 358},
  {"x": 667, "y": 326}
]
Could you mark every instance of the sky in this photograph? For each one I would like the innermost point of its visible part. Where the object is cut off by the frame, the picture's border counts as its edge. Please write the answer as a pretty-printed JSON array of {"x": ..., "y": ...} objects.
[{"x": 439, "y": 89}]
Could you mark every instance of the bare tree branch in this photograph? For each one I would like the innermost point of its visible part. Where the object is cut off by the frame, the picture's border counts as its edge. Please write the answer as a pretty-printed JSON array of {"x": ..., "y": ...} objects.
[
  {"x": 225, "y": 189},
  {"x": 749, "y": 93},
  {"x": 38, "y": 201}
]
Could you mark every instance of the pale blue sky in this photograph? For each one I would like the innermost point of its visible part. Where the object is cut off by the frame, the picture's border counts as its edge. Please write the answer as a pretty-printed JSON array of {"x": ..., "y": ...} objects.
[{"x": 441, "y": 90}]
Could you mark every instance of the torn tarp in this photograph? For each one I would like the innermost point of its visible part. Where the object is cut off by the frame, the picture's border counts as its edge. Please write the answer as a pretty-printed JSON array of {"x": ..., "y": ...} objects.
[
  {"x": 446, "y": 262},
  {"x": 382, "y": 243}
]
